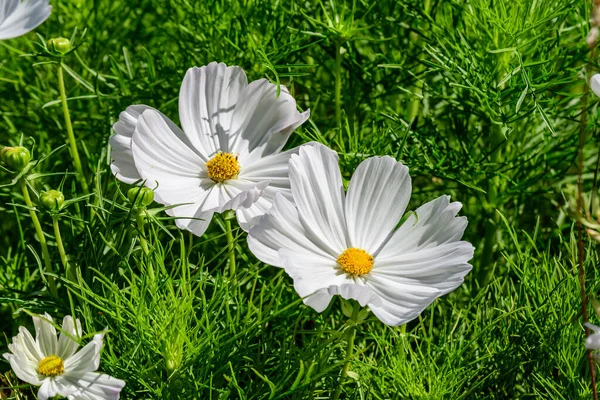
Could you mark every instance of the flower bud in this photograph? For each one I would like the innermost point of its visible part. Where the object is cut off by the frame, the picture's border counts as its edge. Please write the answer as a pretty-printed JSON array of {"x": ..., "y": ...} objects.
[
  {"x": 16, "y": 157},
  {"x": 59, "y": 45},
  {"x": 52, "y": 200},
  {"x": 142, "y": 196}
]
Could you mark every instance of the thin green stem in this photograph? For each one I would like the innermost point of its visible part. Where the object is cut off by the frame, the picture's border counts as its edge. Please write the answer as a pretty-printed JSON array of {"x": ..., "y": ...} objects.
[
  {"x": 349, "y": 351},
  {"x": 141, "y": 223},
  {"x": 231, "y": 246},
  {"x": 41, "y": 237},
  {"x": 140, "y": 220},
  {"x": 338, "y": 85},
  {"x": 59, "y": 243},
  {"x": 69, "y": 273},
  {"x": 70, "y": 134},
  {"x": 415, "y": 104}
]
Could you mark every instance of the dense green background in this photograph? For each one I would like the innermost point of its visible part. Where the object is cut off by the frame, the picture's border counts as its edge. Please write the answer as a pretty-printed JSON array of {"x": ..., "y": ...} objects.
[{"x": 482, "y": 99}]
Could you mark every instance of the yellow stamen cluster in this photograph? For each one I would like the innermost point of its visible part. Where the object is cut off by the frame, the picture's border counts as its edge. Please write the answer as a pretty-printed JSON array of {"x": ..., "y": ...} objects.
[
  {"x": 51, "y": 366},
  {"x": 355, "y": 261},
  {"x": 222, "y": 167}
]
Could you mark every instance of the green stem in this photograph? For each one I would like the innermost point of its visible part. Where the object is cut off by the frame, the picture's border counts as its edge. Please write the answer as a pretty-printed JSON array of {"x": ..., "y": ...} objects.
[
  {"x": 141, "y": 222},
  {"x": 69, "y": 273},
  {"x": 70, "y": 134},
  {"x": 338, "y": 85},
  {"x": 349, "y": 351},
  {"x": 231, "y": 246},
  {"x": 41, "y": 237},
  {"x": 59, "y": 243},
  {"x": 415, "y": 104}
]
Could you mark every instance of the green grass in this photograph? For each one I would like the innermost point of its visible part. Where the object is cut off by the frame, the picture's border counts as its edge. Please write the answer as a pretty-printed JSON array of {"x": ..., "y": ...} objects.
[{"x": 481, "y": 99}]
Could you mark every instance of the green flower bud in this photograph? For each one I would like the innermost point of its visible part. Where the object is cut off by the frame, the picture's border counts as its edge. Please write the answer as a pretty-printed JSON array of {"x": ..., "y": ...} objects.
[
  {"x": 52, "y": 200},
  {"x": 15, "y": 158},
  {"x": 142, "y": 196},
  {"x": 59, "y": 45}
]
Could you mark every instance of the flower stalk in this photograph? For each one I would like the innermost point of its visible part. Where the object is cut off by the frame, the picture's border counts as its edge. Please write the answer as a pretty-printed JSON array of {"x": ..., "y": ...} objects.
[
  {"x": 59, "y": 243},
  {"x": 70, "y": 134},
  {"x": 41, "y": 237},
  {"x": 230, "y": 246},
  {"x": 338, "y": 84},
  {"x": 349, "y": 349}
]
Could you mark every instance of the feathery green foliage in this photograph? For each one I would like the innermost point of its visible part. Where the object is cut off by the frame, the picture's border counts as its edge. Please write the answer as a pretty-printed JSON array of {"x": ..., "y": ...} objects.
[{"x": 480, "y": 98}]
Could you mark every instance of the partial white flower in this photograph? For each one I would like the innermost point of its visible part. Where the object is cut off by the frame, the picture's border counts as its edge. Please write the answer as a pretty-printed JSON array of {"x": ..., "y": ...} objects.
[
  {"x": 57, "y": 366},
  {"x": 19, "y": 17},
  {"x": 595, "y": 84},
  {"x": 332, "y": 243},
  {"x": 228, "y": 155},
  {"x": 592, "y": 342}
]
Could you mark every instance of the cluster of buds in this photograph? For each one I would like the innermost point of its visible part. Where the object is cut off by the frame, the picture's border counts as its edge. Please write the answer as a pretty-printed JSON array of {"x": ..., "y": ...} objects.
[
  {"x": 592, "y": 38},
  {"x": 16, "y": 158}
]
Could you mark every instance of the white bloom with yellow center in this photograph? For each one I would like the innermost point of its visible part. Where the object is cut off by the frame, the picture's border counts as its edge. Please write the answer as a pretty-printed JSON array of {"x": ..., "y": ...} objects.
[
  {"x": 19, "y": 17},
  {"x": 228, "y": 155},
  {"x": 57, "y": 366},
  {"x": 331, "y": 242}
]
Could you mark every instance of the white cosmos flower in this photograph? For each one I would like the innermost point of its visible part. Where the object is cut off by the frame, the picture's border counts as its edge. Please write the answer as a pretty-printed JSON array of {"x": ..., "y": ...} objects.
[
  {"x": 332, "y": 243},
  {"x": 57, "y": 366},
  {"x": 227, "y": 157},
  {"x": 592, "y": 342},
  {"x": 19, "y": 17},
  {"x": 595, "y": 84}
]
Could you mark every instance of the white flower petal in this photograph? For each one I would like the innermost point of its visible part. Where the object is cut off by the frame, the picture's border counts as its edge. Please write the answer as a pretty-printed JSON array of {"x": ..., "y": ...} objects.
[
  {"x": 7, "y": 7},
  {"x": 160, "y": 154},
  {"x": 191, "y": 218},
  {"x": 432, "y": 224},
  {"x": 95, "y": 386},
  {"x": 250, "y": 216},
  {"x": 318, "y": 277},
  {"x": 238, "y": 193},
  {"x": 320, "y": 299},
  {"x": 275, "y": 170},
  {"x": 67, "y": 346},
  {"x": 22, "y": 366},
  {"x": 377, "y": 196},
  {"x": 122, "y": 165},
  {"x": 18, "y": 18},
  {"x": 206, "y": 105},
  {"x": 263, "y": 121},
  {"x": 443, "y": 267},
  {"x": 400, "y": 303},
  {"x": 592, "y": 342},
  {"x": 208, "y": 198},
  {"x": 319, "y": 195},
  {"x": 45, "y": 334},
  {"x": 87, "y": 359},
  {"x": 28, "y": 344},
  {"x": 280, "y": 228},
  {"x": 595, "y": 84},
  {"x": 48, "y": 389}
]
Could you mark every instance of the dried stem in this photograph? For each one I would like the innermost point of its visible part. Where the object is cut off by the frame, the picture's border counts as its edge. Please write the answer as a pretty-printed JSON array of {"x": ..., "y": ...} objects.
[{"x": 580, "y": 244}]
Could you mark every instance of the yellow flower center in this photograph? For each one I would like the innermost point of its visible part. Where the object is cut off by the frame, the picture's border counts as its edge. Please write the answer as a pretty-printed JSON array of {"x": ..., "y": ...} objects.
[
  {"x": 51, "y": 366},
  {"x": 355, "y": 261},
  {"x": 222, "y": 167}
]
